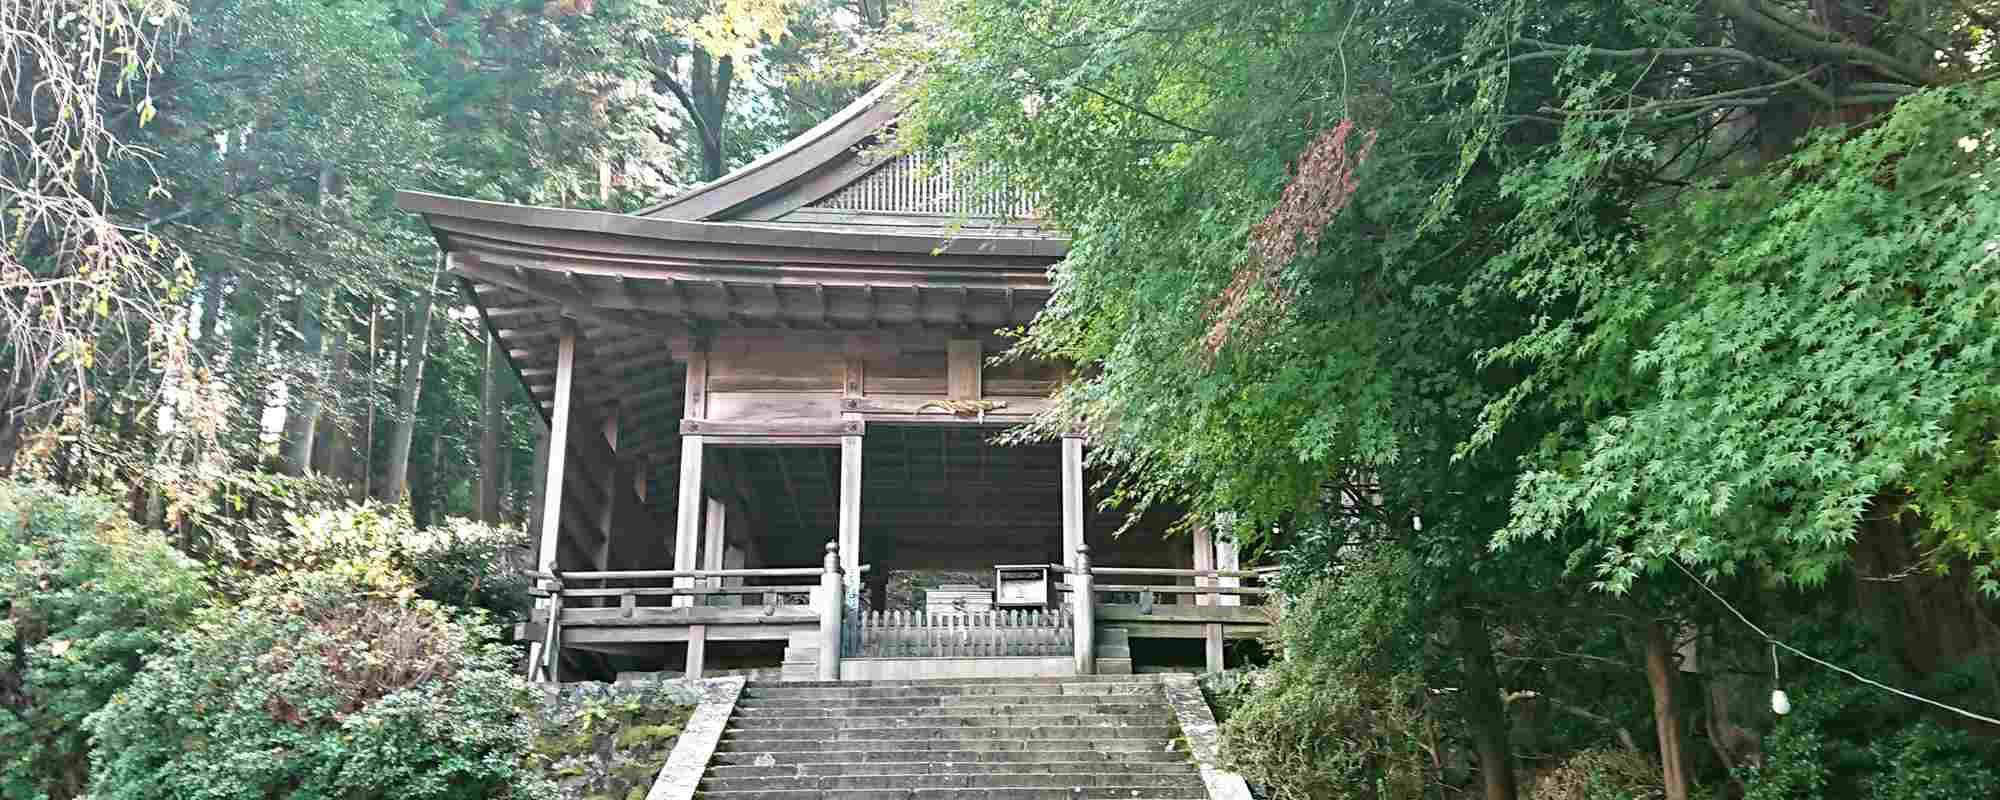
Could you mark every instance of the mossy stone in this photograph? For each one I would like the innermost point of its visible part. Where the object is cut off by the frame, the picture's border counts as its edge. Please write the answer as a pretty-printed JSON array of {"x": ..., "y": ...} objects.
[{"x": 646, "y": 735}]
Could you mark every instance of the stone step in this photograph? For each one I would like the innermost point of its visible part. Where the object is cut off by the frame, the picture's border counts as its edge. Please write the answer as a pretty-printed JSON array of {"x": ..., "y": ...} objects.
[
  {"x": 1143, "y": 715},
  {"x": 1088, "y": 780},
  {"x": 1018, "y": 681},
  {"x": 1007, "y": 793},
  {"x": 1111, "y": 706},
  {"x": 1159, "y": 733},
  {"x": 858, "y": 756},
  {"x": 945, "y": 701},
  {"x": 736, "y": 745},
  {"x": 783, "y": 692},
  {"x": 1100, "y": 766}
]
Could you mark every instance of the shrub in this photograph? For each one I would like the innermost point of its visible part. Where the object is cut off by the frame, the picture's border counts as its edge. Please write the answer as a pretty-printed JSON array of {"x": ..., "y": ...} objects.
[
  {"x": 1318, "y": 733},
  {"x": 1844, "y": 739},
  {"x": 1601, "y": 775},
  {"x": 333, "y": 684},
  {"x": 88, "y": 596},
  {"x": 224, "y": 524},
  {"x": 459, "y": 563}
]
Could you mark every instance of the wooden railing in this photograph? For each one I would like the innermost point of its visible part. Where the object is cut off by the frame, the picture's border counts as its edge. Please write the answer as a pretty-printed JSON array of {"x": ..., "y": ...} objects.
[
  {"x": 1068, "y": 629},
  {"x": 684, "y": 588},
  {"x": 1214, "y": 586},
  {"x": 976, "y": 634}
]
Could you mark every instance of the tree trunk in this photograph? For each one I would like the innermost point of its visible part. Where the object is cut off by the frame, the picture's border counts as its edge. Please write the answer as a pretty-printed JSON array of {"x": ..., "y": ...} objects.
[
  {"x": 335, "y": 454},
  {"x": 366, "y": 485},
  {"x": 395, "y": 476},
  {"x": 1483, "y": 706},
  {"x": 709, "y": 79},
  {"x": 488, "y": 499},
  {"x": 509, "y": 507},
  {"x": 302, "y": 422},
  {"x": 1661, "y": 675},
  {"x": 427, "y": 495}
]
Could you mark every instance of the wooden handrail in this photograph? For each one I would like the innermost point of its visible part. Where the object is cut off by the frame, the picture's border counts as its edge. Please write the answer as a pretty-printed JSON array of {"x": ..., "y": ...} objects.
[
  {"x": 1177, "y": 573},
  {"x": 662, "y": 574},
  {"x": 1251, "y": 591},
  {"x": 655, "y": 574},
  {"x": 669, "y": 591}
]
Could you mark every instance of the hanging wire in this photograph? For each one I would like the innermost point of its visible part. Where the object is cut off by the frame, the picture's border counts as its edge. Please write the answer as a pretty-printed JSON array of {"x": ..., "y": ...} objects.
[{"x": 1775, "y": 644}]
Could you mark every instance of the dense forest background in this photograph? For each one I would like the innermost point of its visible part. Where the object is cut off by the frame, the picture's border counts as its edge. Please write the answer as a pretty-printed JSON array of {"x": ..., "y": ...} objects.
[
  {"x": 1617, "y": 381},
  {"x": 218, "y": 289}
]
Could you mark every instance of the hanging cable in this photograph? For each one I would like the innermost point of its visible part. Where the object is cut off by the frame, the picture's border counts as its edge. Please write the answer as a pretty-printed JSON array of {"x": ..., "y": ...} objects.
[{"x": 1775, "y": 644}]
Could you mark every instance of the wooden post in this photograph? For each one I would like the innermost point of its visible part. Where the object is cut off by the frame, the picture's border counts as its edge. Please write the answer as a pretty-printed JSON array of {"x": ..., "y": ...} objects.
[
  {"x": 830, "y": 591},
  {"x": 1080, "y": 583},
  {"x": 552, "y": 493},
  {"x": 687, "y": 504},
  {"x": 1228, "y": 559},
  {"x": 850, "y": 518},
  {"x": 717, "y": 522},
  {"x": 1211, "y": 646},
  {"x": 1072, "y": 497},
  {"x": 697, "y": 649},
  {"x": 687, "y": 528},
  {"x": 1204, "y": 558},
  {"x": 607, "y": 512}
]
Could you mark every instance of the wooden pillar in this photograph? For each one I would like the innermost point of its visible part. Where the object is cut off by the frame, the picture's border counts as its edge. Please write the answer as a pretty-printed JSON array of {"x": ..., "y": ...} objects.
[
  {"x": 1211, "y": 641},
  {"x": 688, "y": 503},
  {"x": 552, "y": 480},
  {"x": 716, "y": 522},
  {"x": 1204, "y": 558},
  {"x": 607, "y": 512},
  {"x": 1217, "y": 549},
  {"x": 1228, "y": 559},
  {"x": 850, "y": 517},
  {"x": 687, "y": 527},
  {"x": 1072, "y": 497}
]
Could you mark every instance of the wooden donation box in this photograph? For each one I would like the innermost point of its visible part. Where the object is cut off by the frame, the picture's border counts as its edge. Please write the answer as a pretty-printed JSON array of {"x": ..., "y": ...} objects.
[{"x": 1021, "y": 587}]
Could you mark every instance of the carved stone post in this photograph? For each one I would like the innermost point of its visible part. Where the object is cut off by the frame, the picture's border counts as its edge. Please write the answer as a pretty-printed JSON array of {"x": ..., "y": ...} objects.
[
  {"x": 831, "y": 597},
  {"x": 1081, "y": 599}
]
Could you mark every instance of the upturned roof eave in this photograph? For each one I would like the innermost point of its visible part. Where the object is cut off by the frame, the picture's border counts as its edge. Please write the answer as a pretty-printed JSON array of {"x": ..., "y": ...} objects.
[{"x": 819, "y": 146}]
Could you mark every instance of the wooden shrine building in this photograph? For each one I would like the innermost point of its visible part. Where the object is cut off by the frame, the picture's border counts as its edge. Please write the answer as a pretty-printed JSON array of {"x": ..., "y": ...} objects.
[{"x": 771, "y": 411}]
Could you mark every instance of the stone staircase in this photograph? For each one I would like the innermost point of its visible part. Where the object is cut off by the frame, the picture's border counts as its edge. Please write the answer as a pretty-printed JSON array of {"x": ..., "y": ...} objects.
[{"x": 1073, "y": 738}]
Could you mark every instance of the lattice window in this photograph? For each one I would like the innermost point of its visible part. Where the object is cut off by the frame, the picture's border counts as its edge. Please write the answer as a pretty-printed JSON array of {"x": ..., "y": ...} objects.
[{"x": 910, "y": 185}]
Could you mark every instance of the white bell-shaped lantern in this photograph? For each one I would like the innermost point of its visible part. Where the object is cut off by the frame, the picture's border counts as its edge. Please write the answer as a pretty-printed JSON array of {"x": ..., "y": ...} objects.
[{"x": 1780, "y": 704}]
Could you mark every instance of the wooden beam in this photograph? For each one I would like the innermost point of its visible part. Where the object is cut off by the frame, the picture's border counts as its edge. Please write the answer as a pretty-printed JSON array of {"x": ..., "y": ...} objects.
[
  {"x": 574, "y": 303},
  {"x": 553, "y": 479}
]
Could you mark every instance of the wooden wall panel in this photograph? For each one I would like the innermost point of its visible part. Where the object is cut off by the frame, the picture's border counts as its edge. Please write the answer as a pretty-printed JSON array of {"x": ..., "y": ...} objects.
[
  {"x": 774, "y": 370},
  {"x": 913, "y": 372},
  {"x": 765, "y": 406}
]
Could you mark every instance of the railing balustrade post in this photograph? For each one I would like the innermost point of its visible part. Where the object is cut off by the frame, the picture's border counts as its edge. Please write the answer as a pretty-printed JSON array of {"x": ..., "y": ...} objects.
[
  {"x": 832, "y": 597},
  {"x": 552, "y": 630},
  {"x": 1085, "y": 603}
]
